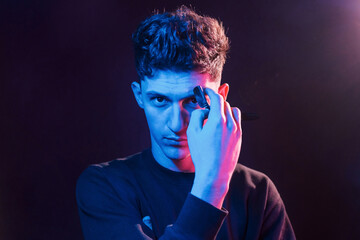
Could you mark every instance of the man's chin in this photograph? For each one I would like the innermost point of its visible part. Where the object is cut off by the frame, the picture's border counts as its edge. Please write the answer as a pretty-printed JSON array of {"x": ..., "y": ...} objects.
[{"x": 176, "y": 153}]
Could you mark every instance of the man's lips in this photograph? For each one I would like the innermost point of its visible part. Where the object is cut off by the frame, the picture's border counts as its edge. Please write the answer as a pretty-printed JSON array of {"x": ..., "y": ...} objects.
[
  {"x": 175, "y": 141},
  {"x": 178, "y": 139}
]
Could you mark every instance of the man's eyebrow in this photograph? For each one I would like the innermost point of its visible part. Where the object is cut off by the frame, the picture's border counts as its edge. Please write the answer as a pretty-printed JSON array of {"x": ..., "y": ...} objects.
[{"x": 153, "y": 93}]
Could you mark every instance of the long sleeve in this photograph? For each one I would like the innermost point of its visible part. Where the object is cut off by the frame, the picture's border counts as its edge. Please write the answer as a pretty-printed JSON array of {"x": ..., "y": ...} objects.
[
  {"x": 136, "y": 198},
  {"x": 108, "y": 212},
  {"x": 276, "y": 224},
  {"x": 256, "y": 210}
]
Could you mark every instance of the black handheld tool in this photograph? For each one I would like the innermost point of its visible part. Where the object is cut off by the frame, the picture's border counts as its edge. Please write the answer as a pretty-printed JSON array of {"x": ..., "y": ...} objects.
[{"x": 200, "y": 97}]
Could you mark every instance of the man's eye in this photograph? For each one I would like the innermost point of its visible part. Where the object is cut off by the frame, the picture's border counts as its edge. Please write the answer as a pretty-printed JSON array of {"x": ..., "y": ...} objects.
[
  {"x": 191, "y": 102},
  {"x": 160, "y": 99}
]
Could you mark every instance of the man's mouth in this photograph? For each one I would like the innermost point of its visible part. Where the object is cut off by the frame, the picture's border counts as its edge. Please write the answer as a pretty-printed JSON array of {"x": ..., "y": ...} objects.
[{"x": 175, "y": 140}]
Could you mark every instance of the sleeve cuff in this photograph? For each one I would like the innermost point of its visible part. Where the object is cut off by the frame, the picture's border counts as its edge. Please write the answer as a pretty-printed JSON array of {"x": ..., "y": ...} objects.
[{"x": 199, "y": 219}]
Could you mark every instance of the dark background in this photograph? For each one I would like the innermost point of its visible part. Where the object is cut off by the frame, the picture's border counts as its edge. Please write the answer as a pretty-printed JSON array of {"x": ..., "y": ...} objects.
[{"x": 66, "y": 102}]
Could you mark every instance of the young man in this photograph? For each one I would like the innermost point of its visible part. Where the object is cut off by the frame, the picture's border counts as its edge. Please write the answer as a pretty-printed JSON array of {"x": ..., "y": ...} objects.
[{"x": 188, "y": 185}]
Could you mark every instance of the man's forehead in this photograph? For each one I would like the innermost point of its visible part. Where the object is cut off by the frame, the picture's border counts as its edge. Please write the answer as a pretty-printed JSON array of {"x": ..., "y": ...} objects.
[{"x": 171, "y": 82}]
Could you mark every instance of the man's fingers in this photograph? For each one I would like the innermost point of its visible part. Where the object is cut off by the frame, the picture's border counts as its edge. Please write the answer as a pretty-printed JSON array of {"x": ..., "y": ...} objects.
[
  {"x": 237, "y": 116},
  {"x": 230, "y": 121},
  {"x": 197, "y": 119},
  {"x": 216, "y": 104}
]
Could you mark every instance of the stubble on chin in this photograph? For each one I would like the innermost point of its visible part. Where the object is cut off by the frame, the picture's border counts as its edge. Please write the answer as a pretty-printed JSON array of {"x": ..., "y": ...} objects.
[{"x": 177, "y": 154}]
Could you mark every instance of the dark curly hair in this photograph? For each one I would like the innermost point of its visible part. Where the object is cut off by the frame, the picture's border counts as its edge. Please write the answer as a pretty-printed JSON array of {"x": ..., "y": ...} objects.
[{"x": 180, "y": 41}]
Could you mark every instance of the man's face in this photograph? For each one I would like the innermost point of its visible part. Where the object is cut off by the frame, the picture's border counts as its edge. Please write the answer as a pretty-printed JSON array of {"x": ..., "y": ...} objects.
[{"x": 168, "y": 100}]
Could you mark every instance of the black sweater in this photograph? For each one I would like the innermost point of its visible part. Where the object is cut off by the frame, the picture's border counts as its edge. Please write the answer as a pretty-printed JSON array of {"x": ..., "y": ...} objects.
[{"x": 137, "y": 198}]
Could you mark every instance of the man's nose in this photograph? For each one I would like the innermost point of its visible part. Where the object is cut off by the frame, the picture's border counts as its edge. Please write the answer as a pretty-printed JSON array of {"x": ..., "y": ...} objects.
[{"x": 177, "y": 119}]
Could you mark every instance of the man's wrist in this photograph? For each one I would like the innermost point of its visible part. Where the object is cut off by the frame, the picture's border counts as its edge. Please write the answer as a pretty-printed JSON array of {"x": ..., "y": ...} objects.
[{"x": 213, "y": 192}]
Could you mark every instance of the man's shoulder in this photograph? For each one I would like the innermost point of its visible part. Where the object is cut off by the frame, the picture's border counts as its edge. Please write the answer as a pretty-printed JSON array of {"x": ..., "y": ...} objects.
[
  {"x": 112, "y": 171},
  {"x": 119, "y": 163},
  {"x": 250, "y": 173},
  {"x": 250, "y": 179},
  {"x": 117, "y": 173},
  {"x": 106, "y": 181}
]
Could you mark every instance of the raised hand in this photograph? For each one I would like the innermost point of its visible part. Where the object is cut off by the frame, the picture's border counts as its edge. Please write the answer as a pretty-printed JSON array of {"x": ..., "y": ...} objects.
[{"x": 214, "y": 148}]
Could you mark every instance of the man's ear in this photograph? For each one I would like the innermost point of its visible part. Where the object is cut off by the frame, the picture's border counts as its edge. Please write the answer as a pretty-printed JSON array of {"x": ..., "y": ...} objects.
[
  {"x": 224, "y": 90},
  {"x": 135, "y": 86}
]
